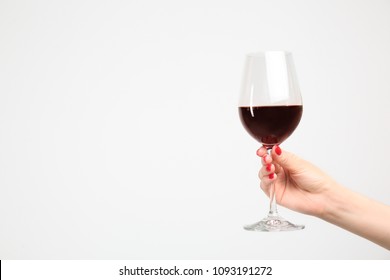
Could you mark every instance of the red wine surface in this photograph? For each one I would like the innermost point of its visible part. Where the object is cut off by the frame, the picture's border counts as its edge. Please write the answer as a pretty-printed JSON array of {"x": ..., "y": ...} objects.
[{"x": 270, "y": 125}]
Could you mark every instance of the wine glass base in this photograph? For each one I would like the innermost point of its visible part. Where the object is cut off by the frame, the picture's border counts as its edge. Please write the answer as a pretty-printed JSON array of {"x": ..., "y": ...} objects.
[{"x": 272, "y": 224}]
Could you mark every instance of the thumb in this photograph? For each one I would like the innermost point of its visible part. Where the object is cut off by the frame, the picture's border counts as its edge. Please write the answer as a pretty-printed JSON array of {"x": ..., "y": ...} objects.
[{"x": 285, "y": 159}]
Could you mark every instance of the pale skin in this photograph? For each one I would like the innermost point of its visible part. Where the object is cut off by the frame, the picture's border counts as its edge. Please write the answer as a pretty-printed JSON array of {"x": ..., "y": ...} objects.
[{"x": 302, "y": 187}]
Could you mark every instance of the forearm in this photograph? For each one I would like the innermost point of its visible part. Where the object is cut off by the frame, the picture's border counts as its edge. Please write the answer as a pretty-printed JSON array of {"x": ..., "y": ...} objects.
[{"x": 359, "y": 214}]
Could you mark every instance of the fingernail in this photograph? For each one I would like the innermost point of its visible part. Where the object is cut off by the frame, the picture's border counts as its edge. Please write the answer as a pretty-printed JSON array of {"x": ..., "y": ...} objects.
[
  {"x": 278, "y": 150},
  {"x": 271, "y": 176},
  {"x": 268, "y": 167},
  {"x": 265, "y": 158}
]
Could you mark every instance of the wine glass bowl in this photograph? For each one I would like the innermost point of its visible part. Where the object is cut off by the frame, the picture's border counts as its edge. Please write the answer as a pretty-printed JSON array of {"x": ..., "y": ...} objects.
[
  {"x": 270, "y": 109},
  {"x": 270, "y": 125}
]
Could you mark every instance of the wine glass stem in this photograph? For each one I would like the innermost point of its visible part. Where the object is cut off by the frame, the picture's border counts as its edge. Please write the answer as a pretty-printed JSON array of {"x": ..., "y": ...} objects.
[{"x": 273, "y": 211}]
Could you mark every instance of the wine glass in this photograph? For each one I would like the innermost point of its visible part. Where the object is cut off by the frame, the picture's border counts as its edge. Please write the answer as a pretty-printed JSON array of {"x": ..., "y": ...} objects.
[{"x": 270, "y": 108}]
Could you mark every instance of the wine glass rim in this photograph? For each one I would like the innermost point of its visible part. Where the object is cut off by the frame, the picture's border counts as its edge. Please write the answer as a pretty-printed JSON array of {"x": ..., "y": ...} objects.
[{"x": 263, "y": 53}]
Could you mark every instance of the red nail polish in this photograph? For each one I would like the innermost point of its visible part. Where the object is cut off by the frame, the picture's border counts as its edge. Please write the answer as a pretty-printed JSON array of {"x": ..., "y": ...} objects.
[
  {"x": 278, "y": 150},
  {"x": 268, "y": 167},
  {"x": 271, "y": 176}
]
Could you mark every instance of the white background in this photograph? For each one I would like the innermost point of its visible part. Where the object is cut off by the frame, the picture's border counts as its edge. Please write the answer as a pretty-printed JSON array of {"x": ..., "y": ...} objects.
[
  {"x": 211, "y": 269},
  {"x": 120, "y": 137}
]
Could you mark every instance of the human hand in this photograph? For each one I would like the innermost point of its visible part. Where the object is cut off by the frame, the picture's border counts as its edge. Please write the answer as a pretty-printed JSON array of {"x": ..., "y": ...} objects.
[
  {"x": 302, "y": 187},
  {"x": 299, "y": 185}
]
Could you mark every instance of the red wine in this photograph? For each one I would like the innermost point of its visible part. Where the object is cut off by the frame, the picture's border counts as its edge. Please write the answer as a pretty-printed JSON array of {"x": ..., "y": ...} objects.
[{"x": 270, "y": 125}]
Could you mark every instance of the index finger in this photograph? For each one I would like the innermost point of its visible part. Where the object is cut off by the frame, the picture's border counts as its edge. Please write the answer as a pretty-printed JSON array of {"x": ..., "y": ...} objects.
[{"x": 261, "y": 151}]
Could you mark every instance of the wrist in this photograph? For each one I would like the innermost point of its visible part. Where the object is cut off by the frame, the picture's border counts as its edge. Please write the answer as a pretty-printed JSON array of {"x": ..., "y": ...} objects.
[
  {"x": 357, "y": 214},
  {"x": 335, "y": 203}
]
